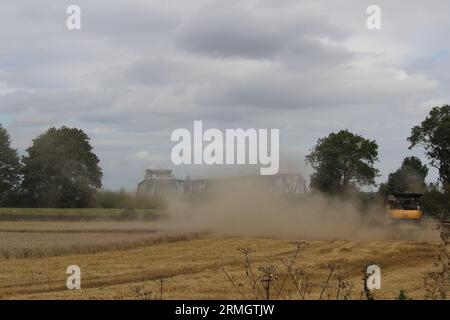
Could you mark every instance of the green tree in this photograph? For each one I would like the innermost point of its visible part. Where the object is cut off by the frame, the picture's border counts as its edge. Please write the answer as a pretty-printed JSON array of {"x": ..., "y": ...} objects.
[
  {"x": 410, "y": 177},
  {"x": 343, "y": 160},
  {"x": 434, "y": 135},
  {"x": 61, "y": 170},
  {"x": 9, "y": 168},
  {"x": 436, "y": 202}
]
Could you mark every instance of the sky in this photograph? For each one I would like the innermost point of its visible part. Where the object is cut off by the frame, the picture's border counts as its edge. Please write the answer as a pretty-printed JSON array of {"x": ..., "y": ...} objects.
[{"x": 139, "y": 69}]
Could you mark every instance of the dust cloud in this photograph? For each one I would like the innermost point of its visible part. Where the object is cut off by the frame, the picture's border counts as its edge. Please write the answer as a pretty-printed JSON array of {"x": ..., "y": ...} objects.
[{"x": 237, "y": 209}]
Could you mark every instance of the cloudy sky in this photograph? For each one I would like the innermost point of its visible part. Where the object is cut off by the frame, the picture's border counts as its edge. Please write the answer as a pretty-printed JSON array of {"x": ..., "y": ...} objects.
[{"x": 138, "y": 69}]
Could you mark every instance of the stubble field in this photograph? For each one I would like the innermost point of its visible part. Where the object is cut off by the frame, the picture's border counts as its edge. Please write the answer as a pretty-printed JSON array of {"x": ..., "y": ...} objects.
[{"x": 133, "y": 260}]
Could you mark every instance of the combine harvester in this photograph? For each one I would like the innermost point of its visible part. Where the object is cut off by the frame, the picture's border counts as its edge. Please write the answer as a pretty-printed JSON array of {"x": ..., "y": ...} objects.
[{"x": 405, "y": 209}]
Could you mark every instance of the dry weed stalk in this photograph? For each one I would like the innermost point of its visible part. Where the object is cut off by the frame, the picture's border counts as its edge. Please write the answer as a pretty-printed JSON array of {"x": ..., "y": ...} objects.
[
  {"x": 267, "y": 278},
  {"x": 299, "y": 245},
  {"x": 235, "y": 285},
  {"x": 332, "y": 267},
  {"x": 343, "y": 285},
  {"x": 437, "y": 282},
  {"x": 161, "y": 282},
  {"x": 249, "y": 270},
  {"x": 142, "y": 293},
  {"x": 347, "y": 288},
  {"x": 296, "y": 274},
  {"x": 269, "y": 284}
]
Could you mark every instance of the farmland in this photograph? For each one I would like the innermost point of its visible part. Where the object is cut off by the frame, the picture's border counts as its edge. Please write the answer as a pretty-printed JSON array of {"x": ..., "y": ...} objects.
[
  {"x": 127, "y": 260},
  {"x": 68, "y": 214}
]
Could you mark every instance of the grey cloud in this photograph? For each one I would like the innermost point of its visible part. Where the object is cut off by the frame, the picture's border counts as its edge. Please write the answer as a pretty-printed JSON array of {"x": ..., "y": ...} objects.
[
  {"x": 139, "y": 69},
  {"x": 154, "y": 72},
  {"x": 235, "y": 31},
  {"x": 280, "y": 89},
  {"x": 53, "y": 102}
]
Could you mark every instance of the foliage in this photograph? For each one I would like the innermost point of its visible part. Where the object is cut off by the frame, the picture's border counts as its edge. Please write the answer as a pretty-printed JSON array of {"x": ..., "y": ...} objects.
[
  {"x": 410, "y": 177},
  {"x": 9, "y": 168},
  {"x": 126, "y": 200},
  {"x": 436, "y": 202},
  {"x": 61, "y": 170},
  {"x": 434, "y": 135},
  {"x": 341, "y": 161}
]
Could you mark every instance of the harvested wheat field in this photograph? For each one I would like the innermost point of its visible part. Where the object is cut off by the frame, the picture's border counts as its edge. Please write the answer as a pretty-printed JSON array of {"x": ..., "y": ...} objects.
[{"x": 127, "y": 260}]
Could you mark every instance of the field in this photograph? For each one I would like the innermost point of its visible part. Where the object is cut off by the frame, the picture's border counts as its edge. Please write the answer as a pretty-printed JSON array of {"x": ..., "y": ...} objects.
[
  {"x": 56, "y": 214},
  {"x": 135, "y": 259}
]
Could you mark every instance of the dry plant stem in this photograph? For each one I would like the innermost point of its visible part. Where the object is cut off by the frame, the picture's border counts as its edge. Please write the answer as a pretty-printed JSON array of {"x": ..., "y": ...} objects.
[
  {"x": 326, "y": 283},
  {"x": 246, "y": 252},
  {"x": 347, "y": 289},
  {"x": 297, "y": 286},
  {"x": 161, "y": 283},
  {"x": 338, "y": 289},
  {"x": 299, "y": 245},
  {"x": 287, "y": 274},
  {"x": 275, "y": 286},
  {"x": 437, "y": 282},
  {"x": 306, "y": 287},
  {"x": 341, "y": 277},
  {"x": 267, "y": 278},
  {"x": 234, "y": 284}
]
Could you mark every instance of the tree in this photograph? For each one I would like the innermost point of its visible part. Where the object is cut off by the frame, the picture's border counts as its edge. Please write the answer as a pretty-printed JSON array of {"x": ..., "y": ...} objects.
[
  {"x": 342, "y": 160},
  {"x": 410, "y": 177},
  {"x": 9, "y": 168},
  {"x": 61, "y": 170},
  {"x": 434, "y": 135},
  {"x": 436, "y": 202}
]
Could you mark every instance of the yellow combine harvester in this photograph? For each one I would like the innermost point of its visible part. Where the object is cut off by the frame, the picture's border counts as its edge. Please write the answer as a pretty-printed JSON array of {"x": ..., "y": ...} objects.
[{"x": 404, "y": 207}]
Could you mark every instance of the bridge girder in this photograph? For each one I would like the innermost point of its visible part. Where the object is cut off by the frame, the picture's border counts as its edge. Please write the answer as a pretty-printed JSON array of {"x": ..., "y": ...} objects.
[{"x": 293, "y": 184}]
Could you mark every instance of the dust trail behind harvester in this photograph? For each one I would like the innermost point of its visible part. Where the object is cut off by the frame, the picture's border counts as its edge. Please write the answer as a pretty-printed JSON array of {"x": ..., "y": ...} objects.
[{"x": 243, "y": 210}]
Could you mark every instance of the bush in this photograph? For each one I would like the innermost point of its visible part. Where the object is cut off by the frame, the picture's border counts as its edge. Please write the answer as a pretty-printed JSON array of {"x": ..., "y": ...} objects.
[
  {"x": 126, "y": 200},
  {"x": 436, "y": 202}
]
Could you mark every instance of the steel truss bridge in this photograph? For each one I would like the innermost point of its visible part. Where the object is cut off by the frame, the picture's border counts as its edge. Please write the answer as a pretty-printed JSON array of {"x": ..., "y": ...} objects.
[{"x": 287, "y": 183}]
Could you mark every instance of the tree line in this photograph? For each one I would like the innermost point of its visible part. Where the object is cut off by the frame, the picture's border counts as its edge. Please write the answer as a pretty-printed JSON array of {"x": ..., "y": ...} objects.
[
  {"x": 61, "y": 169},
  {"x": 344, "y": 162}
]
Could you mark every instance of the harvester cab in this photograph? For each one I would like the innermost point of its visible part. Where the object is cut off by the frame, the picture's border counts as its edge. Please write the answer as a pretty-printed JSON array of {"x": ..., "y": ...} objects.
[{"x": 405, "y": 207}]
